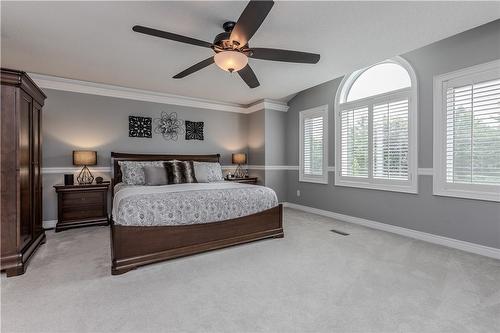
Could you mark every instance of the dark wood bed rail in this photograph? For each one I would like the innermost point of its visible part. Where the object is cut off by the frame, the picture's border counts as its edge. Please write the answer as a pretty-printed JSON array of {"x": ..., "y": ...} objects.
[{"x": 134, "y": 246}]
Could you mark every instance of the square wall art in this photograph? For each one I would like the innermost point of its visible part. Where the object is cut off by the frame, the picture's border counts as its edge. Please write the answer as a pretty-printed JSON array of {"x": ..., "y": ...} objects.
[
  {"x": 139, "y": 127},
  {"x": 194, "y": 130}
]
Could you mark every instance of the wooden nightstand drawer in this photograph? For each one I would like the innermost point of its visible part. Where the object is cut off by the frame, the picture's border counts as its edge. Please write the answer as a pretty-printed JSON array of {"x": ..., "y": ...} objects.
[
  {"x": 83, "y": 212},
  {"x": 247, "y": 180},
  {"x": 82, "y": 205},
  {"x": 85, "y": 198}
]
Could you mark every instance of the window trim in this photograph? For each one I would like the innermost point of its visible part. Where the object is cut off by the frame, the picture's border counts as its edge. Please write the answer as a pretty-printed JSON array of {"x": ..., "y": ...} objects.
[
  {"x": 409, "y": 186},
  {"x": 323, "y": 179},
  {"x": 440, "y": 186}
]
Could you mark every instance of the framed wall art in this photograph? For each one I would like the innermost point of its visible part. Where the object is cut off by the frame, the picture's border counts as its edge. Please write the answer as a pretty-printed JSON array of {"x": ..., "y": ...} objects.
[
  {"x": 139, "y": 127},
  {"x": 194, "y": 130}
]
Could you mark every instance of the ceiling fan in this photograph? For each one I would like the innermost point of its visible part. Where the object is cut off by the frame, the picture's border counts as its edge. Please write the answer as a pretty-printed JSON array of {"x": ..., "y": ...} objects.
[{"x": 231, "y": 46}]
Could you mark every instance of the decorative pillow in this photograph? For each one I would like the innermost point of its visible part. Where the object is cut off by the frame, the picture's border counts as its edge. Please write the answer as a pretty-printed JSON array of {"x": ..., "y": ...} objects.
[
  {"x": 133, "y": 173},
  {"x": 179, "y": 172},
  {"x": 208, "y": 172},
  {"x": 155, "y": 175}
]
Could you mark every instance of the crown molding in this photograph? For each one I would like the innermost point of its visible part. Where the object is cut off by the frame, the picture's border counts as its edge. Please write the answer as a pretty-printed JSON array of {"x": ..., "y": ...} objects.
[
  {"x": 100, "y": 89},
  {"x": 267, "y": 104}
]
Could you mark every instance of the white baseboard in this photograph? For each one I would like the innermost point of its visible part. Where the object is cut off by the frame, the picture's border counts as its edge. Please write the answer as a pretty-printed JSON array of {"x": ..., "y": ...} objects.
[
  {"x": 49, "y": 224},
  {"x": 423, "y": 236}
]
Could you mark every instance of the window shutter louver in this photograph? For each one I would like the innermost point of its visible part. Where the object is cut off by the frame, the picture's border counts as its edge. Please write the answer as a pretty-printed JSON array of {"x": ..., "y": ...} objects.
[
  {"x": 313, "y": 146},
  {"x": 354, "y": 138},
  {"x": 390, "y": 140},
  {"x": 376, "y": 128},
  {"x": 473, "y": 133}
]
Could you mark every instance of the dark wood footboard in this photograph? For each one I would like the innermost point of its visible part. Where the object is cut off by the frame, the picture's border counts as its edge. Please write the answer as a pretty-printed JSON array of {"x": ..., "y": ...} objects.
[{"x": 133, "y": 246}]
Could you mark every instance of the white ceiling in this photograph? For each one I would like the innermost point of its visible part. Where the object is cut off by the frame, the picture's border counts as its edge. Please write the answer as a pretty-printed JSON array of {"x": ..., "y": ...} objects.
[{"x": 93, "y": 41}]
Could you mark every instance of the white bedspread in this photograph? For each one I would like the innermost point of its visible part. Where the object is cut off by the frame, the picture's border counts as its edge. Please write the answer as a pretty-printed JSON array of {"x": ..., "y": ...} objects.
[{"x": 193, "y": 203}]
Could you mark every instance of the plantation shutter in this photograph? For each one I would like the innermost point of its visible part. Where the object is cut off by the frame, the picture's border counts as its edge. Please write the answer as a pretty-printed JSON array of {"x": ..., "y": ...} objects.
[
  {"x": 354, "y": 142},
  {"x": 473, "y": 133},
  {"x": 390, "y": 140},
  {"x": 313, "y": 145}
]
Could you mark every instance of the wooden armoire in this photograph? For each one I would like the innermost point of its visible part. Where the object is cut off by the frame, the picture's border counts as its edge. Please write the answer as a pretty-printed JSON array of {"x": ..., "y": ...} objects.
[{"x": 20, "y": 177}]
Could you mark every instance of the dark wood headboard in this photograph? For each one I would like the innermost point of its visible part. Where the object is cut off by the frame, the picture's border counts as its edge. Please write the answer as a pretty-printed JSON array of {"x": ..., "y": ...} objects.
[{"x": 116, "y": 157}]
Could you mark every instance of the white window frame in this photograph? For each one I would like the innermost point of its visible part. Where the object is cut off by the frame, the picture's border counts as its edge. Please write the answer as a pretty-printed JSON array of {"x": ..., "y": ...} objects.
[
  {"x": 317, "y": 111},
  {"x": 411, "y": 93},
  {"x": 480, "y": 72}
]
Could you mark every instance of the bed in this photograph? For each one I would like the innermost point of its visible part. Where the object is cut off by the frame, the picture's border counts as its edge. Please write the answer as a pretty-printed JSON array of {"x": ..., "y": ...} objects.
[{"x": 137, "y": 241}]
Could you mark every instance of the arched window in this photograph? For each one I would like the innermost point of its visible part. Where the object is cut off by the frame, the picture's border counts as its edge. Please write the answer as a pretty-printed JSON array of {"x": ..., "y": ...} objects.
[
  {"x": 381, "y": 78},
  {"x": 376, "y": 128}
]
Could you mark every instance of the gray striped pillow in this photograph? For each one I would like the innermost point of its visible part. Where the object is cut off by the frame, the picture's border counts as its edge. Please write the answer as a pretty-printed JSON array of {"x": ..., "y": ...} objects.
[{"x": 179, "y": 172}]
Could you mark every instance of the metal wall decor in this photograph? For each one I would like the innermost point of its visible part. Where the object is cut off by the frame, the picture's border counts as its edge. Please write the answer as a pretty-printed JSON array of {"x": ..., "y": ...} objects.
[
  {"x": 169, "y": 126},
  {"x": 139, "y": 127},
  {"x": 194, "y": 130}
]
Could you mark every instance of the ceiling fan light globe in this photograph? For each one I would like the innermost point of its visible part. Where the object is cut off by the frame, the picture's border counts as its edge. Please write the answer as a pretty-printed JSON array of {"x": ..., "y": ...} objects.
[{"x": 231, "y": 61}]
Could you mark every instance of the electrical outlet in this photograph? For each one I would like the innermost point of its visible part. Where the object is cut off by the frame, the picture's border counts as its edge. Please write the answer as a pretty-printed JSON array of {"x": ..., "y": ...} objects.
[{"x": 298, "y": 193}]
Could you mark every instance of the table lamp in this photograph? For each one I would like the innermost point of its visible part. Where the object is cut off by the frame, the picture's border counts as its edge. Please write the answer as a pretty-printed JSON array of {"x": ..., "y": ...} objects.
[
  {"x": 85, "y": 158},
  {"x": 239, "y": 159}
]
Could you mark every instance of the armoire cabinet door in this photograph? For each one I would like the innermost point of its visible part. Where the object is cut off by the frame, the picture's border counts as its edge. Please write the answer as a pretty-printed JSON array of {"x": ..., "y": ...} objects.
[
  {"x": 36, "y": 166},
  {"x": 21, "y": 227},
  {"x": 26, "y": 225}
]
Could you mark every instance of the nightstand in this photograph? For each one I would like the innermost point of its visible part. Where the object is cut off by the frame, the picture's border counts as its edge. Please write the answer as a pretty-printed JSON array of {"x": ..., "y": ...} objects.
[
  {"x": 82, "y": 205},
  {"x": 248, "y": 180}
]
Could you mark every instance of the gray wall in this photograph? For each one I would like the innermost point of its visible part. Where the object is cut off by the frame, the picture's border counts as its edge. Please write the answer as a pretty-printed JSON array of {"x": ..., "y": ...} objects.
[
  {"x": 81, "y": 121},
  {"x": 275, "y": 137},
  {"x": 469, "y": 220},
  {"x": 266, "y": 146},
  {"x": 275, "y": 129},
  {"x": 257, "y": 144},
  {"x": 73, "y": 120}
]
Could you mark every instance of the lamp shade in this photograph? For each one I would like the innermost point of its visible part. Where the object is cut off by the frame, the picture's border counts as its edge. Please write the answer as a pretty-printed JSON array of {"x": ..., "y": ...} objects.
[
  {"x": 231, "y": 61},
  {"x": 84, "y": 157},
  {"x": 240, "y": 158}
]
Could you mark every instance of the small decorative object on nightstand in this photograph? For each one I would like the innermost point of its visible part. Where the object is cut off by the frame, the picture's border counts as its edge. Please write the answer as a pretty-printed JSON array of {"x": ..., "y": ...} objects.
[
  {"x": 69, "y": 179},
  {"x": 246, "y": 180},
  {"x": 240, "y": 158},
  {"x": 85, "y": 158},
  {"x": 82, "y": 205}
]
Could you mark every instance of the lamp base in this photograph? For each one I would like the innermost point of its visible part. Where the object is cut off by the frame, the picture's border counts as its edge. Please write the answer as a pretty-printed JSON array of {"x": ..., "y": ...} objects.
[
  {"x": 239, "y": 173},
  {"x": 85, "y": 177}
]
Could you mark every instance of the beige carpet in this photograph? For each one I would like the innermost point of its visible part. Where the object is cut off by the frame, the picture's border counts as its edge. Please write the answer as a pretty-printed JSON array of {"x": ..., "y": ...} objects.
[{"x": 311, "y": 281}]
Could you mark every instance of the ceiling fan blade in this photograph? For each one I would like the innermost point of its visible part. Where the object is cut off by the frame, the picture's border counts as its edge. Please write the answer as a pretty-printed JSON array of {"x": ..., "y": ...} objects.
[
  {"x": 250, "y": 20},
  {"x": 284, "y": 55},
  {"x": 195, "y": 68},
  {"x": 171, "y": 36},
  {"x": 249, "y": 77}
]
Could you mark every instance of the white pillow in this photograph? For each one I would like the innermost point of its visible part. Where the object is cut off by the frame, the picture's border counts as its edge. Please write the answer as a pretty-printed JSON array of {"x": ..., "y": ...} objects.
[
  {"x": 207, "y": 172},
  {"x": 133, "y": 172}
]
